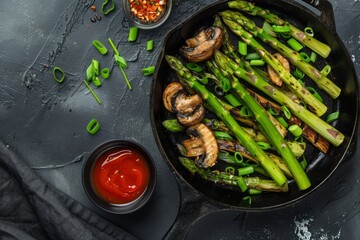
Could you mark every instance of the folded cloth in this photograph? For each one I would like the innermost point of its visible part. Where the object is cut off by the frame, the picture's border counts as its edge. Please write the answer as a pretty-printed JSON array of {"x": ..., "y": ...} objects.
[{"x": 32, "y": 209}]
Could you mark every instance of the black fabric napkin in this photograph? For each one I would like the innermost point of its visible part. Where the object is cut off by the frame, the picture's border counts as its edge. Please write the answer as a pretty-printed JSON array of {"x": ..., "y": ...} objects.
[{"x": 32, "y": 209}]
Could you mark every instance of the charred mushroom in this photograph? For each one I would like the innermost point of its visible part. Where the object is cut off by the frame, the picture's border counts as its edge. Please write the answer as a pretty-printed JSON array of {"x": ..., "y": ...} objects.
[
  {"x": 202, "y": 46},
  {"x": 170, "y": 94},
  {"x": 192, "y": 147},
  {"x": 189, "y": 109},
  {"x": 195, "y": 117},
  {"x": 209, "y": 158},
  {"x": 274, "y": 76}
]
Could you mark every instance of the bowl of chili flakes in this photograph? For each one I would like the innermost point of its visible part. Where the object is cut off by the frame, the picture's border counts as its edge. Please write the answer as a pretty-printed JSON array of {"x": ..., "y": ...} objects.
[{"x": 147, "y": 14}]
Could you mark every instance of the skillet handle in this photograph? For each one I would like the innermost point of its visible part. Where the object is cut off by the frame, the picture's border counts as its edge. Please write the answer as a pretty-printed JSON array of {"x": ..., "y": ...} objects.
[{"x": 327, "y": 12}]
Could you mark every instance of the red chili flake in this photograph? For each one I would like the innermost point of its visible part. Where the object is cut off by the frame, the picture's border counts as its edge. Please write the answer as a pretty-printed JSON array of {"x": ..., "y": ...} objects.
[
  {"x": 147, "y": 10},
  {"x": 93, "y": 7}
]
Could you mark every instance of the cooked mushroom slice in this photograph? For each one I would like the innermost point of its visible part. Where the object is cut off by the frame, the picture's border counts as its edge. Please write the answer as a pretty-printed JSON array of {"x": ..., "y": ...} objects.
[
  {"x": 187, "y": 104},
  {"x": 198, "y": 39},
  {"x": 195, "y": 117},
  {"x": 192, "y": 147},
  {"x": 274, "y": 76},
  {"x": 202, "y": 46},
  {"x": 210, "y": 145},
  {"x": 170, "y": 94}
]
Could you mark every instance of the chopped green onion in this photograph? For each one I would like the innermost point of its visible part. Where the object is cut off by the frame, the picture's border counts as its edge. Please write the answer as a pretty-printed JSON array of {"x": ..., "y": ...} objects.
[
  {"x": 93, "y": 126},
  {"x": 264, "y": 145},
  {"x": 222, "y": 135},
  {"x": 245, "y": 170},
  {"x": 230, "y": 170},
  {"x": 315, "y": 93},
  {"x": 232, "y": 100},
  {"x": 150, "y": 45},
  {"x": 96, "y": 81},
  {"x": 90, "y": 72},
  {"x": 245, "y": 112},
  {"x": 225, "y": 84},
  {"x": 309, "y": 31},
  {"x": 294, "y": 44},
  {"x": 120, "y": 61},
  {"x": 313, "y": 57},
  {"x": 194, "y": 67},
  {"x": 326, "y": 70},
  {"x": 285, "y": 35},
  {"x": 254, "y": 191},
  {"x": 332, "y": 117},
  {"x": 299, "y": 139},
  {"x": 283, "y": 122},
  {"x": 280, "y": 29},
  {"x": 173, "y": 125},
  {"x": 273, "y": 111},
  {"x": 295, "y": 130},
  {"x": 92, "y": 92},
  {"x": 95, "y": 67},
  {"x": 303, "y": 163},
  {"x": 298, "y": 73},
  {"x": 148, "y": 71},
  {"x": 305, "y": 57},
  {"x": 247, "y": 198},
  {"x": 113, "y": 46},
  {"x": 204, "y": 80},
  {"x": 100, "y": 47},
  {"x": 109, "y": 4},
  {"x": 242, "y": 48},
  {"x": 241, "y": 183},
  {"x": 105, "y": 73},
  {"x": 252, "y": 56},
  {"x": 125, "y": 77},
  {"x": 238, "y": 158},
  {"x": 268, "y": 29},
  {"x": 58, "y": 71},
  {"x": 257, "y": 62},
  {"x": 133, "y": 32},
  {"x": 286, "y": 112}
]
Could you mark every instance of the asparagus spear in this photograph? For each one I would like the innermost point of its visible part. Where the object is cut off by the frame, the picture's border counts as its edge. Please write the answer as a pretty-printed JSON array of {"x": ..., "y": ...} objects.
[
  {"x": 294, "y": 57},
  {"x": 319, "y": 47},
  {"x": 324, "y": 129},
  {"x": 316, "y": 106},
  {"x": 282, "y": 130},
  {"x": 312, "y": 136},
  {"x": 230, "y": 122},
  {"x": 269, "y": 130},
  {"x": 227, "y": 179}
]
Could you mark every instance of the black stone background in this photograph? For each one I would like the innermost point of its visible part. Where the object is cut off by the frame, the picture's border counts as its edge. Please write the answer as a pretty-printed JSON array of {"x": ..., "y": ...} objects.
[{"x": 45, "y": 122}]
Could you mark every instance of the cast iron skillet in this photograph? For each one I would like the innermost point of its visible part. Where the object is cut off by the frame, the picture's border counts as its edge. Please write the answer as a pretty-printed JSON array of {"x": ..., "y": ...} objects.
[{"x": 321, "y": 166}]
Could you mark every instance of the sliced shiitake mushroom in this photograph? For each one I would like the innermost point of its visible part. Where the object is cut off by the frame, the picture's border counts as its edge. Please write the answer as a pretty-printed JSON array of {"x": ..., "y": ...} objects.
[
  {"x": 209, "y": 158},
  {"x": 274, "y": 76},
  {"x": 202, "y": 46}
]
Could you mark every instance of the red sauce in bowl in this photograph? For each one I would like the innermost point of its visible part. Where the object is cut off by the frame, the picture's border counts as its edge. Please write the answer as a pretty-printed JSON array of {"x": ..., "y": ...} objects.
[
  {"x": 147, "y": 10},
  {"x": 120, "y": 175}
]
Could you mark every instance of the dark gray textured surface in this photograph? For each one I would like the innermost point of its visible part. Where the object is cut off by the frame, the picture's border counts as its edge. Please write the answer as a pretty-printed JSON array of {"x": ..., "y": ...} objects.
[{"x": 45, "y": 122}]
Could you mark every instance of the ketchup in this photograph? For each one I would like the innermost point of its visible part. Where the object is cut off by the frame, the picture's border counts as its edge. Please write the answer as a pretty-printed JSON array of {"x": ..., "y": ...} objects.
[{"x": 120, "y": 175}]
